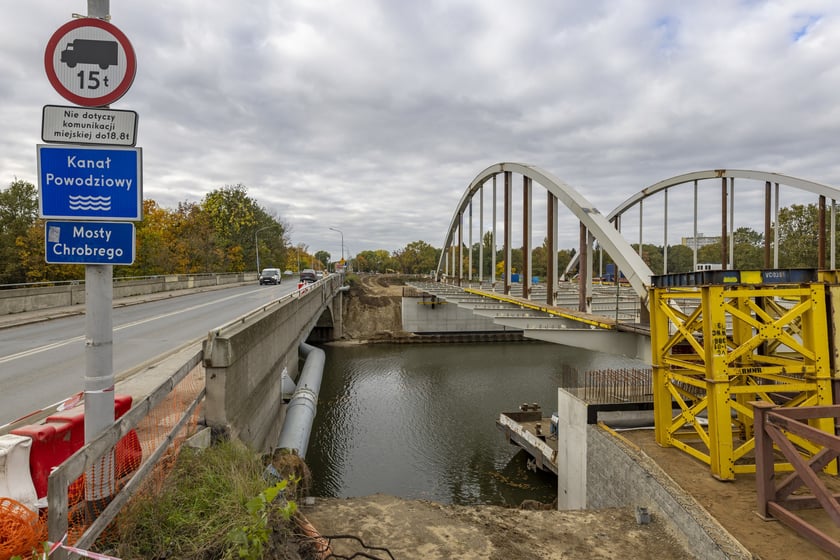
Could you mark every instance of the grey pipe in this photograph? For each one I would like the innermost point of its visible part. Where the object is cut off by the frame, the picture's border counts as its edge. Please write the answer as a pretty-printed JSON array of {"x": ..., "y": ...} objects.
[{"x": 294, "y": 435}]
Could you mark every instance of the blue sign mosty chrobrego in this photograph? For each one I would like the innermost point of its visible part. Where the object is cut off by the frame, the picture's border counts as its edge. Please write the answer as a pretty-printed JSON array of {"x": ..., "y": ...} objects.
[{"x": 90, "y": 182}]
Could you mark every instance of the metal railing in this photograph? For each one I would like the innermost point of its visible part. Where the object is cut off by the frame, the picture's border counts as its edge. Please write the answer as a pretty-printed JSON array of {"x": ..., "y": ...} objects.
[
  {"x": 91, "y": 457},
  {"x": 783, "y": 427},
  {"x": 117, "y": 279}
]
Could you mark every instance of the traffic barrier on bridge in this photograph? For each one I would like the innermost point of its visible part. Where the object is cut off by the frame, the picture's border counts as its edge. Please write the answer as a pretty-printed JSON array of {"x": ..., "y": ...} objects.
[
  {"x": 63, "y": 434},
  {"x": 15, "y": 480}
]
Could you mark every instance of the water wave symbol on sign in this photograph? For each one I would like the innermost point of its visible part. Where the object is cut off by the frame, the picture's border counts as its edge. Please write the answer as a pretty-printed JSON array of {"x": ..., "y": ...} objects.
[{"x": 93, "y": 203}]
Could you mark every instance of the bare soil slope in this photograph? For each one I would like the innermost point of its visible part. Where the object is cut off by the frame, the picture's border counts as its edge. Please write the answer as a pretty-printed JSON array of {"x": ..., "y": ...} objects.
[
  {"x": 411, "y": 529},
  {"x": 372, "y": 308}
]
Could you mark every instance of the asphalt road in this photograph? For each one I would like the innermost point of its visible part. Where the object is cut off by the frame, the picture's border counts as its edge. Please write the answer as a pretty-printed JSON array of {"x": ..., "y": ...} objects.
[{"x": 43, "y": 362}]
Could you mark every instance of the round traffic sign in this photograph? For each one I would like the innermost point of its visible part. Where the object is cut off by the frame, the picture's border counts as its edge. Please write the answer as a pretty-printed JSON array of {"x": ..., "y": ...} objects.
[{"x": 90, "y": 62}]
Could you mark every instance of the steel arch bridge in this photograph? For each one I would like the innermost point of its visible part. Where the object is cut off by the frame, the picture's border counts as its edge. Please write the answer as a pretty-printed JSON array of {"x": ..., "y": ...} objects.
[
  {"x": 558, "y": 191},
  {"x": 605, "y": 231},
  {"x": 718, "y": 343},
  {"x": 727, "y": 185}
]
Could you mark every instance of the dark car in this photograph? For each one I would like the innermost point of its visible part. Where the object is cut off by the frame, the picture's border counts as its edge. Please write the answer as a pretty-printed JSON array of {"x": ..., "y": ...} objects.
[
  {"x": 270, "y": 276},
  {"x": 308, "y": 275}
]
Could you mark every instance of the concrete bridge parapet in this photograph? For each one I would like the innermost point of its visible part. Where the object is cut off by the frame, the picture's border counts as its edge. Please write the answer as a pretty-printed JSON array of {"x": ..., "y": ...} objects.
[
  {"x": 35, "y": 298},
  {"x": 246, "y": 358}
]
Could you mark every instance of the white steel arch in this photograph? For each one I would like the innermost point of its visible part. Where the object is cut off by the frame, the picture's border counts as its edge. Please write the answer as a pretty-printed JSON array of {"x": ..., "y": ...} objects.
[
  {"x": 635, "y": 270},
  {"x": 829, "y": 192},
  {"x": 803, "y": 184}
]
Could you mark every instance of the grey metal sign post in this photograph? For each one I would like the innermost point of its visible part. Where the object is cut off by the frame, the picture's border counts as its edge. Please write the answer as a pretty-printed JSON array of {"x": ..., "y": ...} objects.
[
  {"x": 91, "y": 63},
  {"x": 99, "y": 348}
]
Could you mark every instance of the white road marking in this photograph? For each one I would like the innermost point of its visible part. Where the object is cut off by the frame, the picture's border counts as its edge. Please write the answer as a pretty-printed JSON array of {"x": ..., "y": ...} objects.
[{"x": 54, "y": 345}]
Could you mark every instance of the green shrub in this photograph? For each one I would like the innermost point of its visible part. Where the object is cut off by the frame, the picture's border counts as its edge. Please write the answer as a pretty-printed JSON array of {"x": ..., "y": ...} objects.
[
  {"x": 207, "y": 500},
  {"x": 250, "y": 541}
]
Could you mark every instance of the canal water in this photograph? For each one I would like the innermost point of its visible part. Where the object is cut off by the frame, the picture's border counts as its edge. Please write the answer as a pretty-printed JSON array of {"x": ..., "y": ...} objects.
[{"x": 418, "y": 420}]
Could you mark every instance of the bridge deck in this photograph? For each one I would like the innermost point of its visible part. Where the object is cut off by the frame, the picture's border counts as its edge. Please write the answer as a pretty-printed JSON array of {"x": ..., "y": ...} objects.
[{"x": 613, "y": 307}]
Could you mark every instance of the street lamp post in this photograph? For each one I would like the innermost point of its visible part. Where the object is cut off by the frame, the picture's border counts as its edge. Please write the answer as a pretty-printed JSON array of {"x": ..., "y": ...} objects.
[
  {"x": 257, "y": 244},
  {"x": 342, "y": 241}
]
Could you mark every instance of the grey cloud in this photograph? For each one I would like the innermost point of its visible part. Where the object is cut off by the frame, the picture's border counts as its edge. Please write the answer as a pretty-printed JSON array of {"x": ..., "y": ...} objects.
[{"x": 373, "y": 117}]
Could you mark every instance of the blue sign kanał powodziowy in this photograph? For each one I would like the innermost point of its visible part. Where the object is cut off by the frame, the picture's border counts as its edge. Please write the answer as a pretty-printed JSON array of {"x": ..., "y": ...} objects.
[
  {"x": 90, "y": 182},
  {"x": 89, "y": 242}
]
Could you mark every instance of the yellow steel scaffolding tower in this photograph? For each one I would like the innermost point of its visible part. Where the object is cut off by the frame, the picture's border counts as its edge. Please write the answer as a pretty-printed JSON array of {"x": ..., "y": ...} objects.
[{"x": 721, "y": 339}]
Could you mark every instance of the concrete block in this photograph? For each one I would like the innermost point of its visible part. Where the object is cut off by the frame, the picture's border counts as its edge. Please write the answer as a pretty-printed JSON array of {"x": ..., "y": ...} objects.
[
  {"x": 202, "y": 440},
  {"x": 572, "y": 443}
]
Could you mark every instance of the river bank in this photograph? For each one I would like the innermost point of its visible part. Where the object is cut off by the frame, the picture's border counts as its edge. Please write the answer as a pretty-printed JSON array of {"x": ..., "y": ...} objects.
[
  {"x": 373, "y": 308},
  {"x": 415, "y": 529},
  {"x": 425, "y": 529}
]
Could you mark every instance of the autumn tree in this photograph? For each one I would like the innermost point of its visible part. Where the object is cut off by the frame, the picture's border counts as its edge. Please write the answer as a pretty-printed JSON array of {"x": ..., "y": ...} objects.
[
  {"x": 680, "y": 258},
  {"x": 18, "y": 213},
  {"x": 418, "y": 257},
  {"x": 378, "y": 260},
  {"x": 300, "y": 257},
  {"x": 564, "y": 257},
  {"x": 797, "y": 229},
  {"x": 195, "y": 248},
  {"x": 31, "y": 255},
  {"x": 323, "y": 257},
  {"x": 236, "y": 218},
  {"x": 153, "y": 243},
  {"x": 487, "y": 242},
  {"x": 539, "y": 260},
  {"x": 748, "y": 249},
  {"x": 652, "y": 256},
  {"x": 216, "y": 235}
]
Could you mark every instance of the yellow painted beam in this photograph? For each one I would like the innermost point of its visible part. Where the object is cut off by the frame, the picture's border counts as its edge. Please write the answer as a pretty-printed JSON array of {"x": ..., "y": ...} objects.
[{"x": 585, "y": 318}]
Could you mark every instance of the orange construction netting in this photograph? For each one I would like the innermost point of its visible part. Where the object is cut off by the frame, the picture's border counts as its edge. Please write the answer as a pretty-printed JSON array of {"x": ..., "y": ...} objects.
[
  {"x": 21, "y": 529},
  {"x": 24, "y": 533}
]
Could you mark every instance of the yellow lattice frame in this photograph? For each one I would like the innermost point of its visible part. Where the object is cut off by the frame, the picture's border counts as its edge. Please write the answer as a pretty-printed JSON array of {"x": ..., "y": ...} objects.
[{"x": 739, "y": 343}]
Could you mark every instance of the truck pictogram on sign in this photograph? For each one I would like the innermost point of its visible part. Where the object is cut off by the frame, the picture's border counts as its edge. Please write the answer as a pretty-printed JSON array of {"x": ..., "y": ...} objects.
[{"x": 90, "y": 51}]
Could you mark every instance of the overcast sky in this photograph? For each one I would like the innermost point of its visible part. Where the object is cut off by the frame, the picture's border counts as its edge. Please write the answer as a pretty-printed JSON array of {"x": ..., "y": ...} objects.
[{"x": 373, "y": 116}]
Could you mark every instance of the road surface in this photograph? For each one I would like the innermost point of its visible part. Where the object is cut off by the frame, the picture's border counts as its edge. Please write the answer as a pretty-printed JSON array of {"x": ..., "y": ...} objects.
[{"x": 43, "y": 363}]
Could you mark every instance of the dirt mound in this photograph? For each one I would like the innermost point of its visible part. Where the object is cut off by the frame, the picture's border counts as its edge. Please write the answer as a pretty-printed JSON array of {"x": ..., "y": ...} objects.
[{"x": 372, "y": 308}]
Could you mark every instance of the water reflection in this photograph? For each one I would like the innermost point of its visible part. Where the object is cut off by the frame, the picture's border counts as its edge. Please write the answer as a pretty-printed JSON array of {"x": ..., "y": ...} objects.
[{"x": 418, "y": 421}]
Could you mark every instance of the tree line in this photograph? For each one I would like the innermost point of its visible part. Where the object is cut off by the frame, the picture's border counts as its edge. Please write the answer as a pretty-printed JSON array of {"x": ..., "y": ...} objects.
[
  {"x": 218, "y": 234},
  {"x": 221, "y": 232}
]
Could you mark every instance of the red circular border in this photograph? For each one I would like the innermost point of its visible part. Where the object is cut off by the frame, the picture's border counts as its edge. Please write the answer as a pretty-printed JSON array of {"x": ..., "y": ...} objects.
[{"x": 119, "y": 91}]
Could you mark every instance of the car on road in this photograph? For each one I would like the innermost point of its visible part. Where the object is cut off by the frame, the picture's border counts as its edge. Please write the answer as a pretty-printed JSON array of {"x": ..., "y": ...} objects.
[
  {"x": 270, "y": 276},
  {"x": 308, "y": 275}
]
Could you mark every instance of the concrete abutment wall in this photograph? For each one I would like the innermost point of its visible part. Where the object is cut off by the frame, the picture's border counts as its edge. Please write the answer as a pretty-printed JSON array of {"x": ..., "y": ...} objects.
[{"x": 422, "y": 315}]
